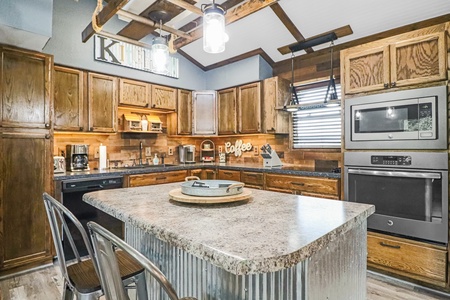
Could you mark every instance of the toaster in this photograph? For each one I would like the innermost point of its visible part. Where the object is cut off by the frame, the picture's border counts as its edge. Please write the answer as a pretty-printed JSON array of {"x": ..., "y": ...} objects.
[{"x": 59, "y": 164}]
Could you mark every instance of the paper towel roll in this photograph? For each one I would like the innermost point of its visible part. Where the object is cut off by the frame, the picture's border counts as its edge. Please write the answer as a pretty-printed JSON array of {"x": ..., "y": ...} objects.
[{"x": 102, "y": 157}]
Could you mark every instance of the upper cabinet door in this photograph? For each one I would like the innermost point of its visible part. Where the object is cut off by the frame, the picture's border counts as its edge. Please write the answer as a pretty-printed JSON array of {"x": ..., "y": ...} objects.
[
  {"x": 184, "y": 112},
  {"x": 164, "y": 97},
  {"x": 249, "y": 103},
  {"x": 68, "y": 99},
  {"x": 26, "y": 89},
  {"x": 227, "y": 111},
  {"x": 367, "y": 70},
  {"x": 102, "y": 98},
  {"x": 133, "y": 92},
  {"x": 275, "y": 94},
  {"x": 204, "y": 113},
  {"x": 418, "y": 60}
]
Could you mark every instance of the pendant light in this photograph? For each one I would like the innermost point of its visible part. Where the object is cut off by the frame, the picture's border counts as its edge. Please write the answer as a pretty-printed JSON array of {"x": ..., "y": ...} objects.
[
  {"x": 214, "y": 36},
  {"x": 291, "y": 104},
  {"x": 160, "y": 50},
  {"x": 333, "y": 101}
]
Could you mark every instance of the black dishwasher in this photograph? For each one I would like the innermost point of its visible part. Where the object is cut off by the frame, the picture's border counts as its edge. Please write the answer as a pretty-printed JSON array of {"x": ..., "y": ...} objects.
[{"x": 72, "y": 194}]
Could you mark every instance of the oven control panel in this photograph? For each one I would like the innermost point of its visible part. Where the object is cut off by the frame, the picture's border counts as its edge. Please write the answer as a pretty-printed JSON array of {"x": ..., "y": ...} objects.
[{"x": 391, "y": 160}]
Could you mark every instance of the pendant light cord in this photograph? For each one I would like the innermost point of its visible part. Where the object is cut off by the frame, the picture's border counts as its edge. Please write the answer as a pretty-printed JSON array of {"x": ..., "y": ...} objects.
[
  {"x": 294, "y": 93},
  {"x": 98, "y": 8}
]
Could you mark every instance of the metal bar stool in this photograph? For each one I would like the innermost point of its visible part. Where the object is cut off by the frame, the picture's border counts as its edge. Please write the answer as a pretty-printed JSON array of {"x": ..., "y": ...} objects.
[
  {"x": 81, "y": 274},
  {"x": 104, "y": 243}
]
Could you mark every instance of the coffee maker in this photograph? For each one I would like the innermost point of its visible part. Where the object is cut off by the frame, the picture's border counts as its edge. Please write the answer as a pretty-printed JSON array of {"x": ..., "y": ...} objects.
[
  {"x": 77, "y": 157},
  {"x": 187, "y": 154}
]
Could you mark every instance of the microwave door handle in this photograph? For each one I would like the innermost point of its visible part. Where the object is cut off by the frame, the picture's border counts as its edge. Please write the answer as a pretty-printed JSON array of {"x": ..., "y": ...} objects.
[{"x": 422, "y": 175}]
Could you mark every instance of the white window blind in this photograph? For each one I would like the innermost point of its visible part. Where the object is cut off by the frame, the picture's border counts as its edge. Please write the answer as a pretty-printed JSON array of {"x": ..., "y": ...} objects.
[{"x": 316, "y": 125}]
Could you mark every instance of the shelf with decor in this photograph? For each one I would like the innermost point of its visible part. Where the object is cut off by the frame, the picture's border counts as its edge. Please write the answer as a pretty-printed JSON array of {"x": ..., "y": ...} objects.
[
  {"x": 207, "y": 151},
  {"x": 140, "y": 123}
]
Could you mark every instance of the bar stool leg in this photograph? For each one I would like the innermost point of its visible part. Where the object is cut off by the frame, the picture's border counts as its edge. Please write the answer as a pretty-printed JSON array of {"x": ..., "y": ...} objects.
[
  {"x": 67, "y": 292},
  {"x": 141, "y": 286}
]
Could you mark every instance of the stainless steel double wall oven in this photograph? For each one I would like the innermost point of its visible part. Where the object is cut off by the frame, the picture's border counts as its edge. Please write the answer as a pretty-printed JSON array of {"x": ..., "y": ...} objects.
[{"x": 403, "y": 166}]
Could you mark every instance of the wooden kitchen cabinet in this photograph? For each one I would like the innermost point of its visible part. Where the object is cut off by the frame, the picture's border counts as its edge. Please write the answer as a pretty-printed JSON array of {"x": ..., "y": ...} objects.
[
  {"x": 164, "y": 97},
  {"x": 249, "y": 108},
  {"x": 227, "y": 111},
  {"x": 102, "y": 102},
  {"x": 253, "y": 179},
  {"x": 275, "y": 94},
  {"x": 136, "y": 93},
  {"x": 184, "y": 112},
  {"x": 25, "y": 237},
  {"x": 229, "y": 175},
  {"x": 69, "y": 99},
  {"x": 155, "y": 178},
  {"x": 25, "y": 88},
  {"x": 303, "y": 185},
  {"x": 409, "y": 258},
  {"x": 407, "y": 59}
]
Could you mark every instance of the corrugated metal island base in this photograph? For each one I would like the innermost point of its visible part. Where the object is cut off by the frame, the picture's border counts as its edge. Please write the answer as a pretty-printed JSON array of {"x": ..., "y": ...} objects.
[{"x": 273, "y": 246}]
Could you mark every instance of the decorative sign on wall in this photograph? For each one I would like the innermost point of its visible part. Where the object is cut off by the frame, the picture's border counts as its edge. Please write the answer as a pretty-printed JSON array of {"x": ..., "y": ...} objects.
[
  {"x": 128, "y": 55},
  {"x": 238, "y": 147}
]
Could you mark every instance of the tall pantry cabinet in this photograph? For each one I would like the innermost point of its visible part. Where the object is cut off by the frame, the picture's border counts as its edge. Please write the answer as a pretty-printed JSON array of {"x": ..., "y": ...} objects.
[{"x": 26, "y": 169}]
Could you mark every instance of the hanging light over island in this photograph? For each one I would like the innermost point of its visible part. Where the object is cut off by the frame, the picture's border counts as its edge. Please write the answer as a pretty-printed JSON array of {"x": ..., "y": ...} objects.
[{"x": 214, "y": 36}]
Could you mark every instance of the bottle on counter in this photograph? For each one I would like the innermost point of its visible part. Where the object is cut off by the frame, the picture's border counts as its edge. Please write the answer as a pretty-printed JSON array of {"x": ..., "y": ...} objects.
[{"x": 156, "y": 159}]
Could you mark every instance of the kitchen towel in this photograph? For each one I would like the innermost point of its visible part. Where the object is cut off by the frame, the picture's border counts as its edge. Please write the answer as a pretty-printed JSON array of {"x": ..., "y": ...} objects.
[{"x": 102, "y": 157}]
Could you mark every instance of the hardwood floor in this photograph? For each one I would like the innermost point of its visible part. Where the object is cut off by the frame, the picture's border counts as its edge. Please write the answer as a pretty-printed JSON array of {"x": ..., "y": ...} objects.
[{"x": 46, "y": 284}]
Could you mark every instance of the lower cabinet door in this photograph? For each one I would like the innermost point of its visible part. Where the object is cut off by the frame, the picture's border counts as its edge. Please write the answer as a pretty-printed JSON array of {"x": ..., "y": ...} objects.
[{"x": 25, "y": 237}]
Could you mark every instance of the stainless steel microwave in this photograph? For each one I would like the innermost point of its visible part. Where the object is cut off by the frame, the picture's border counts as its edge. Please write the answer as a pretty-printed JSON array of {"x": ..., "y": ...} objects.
[{"x": 409, "y": 119}]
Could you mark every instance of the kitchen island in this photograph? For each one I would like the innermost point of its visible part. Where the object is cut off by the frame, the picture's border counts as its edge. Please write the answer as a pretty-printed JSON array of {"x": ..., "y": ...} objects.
[{"x": 272, "y": 246}]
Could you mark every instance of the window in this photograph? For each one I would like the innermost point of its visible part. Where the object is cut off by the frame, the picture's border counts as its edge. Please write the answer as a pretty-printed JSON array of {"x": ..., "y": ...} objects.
[{"x": 316, "y": 125}]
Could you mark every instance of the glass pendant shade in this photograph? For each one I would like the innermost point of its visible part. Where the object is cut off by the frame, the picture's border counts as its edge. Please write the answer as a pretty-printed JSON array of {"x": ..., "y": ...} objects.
[
  {"x": 214, "y": 36},
  {"x": 160, "y": 56}
]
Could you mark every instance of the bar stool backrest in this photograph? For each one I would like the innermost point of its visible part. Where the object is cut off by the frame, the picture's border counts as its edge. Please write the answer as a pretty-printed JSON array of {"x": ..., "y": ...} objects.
[{"x": 104, "y": 242}]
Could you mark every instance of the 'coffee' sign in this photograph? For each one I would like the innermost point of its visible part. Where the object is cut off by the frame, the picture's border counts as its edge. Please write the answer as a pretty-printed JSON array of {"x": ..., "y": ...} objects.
[{"x": 237, "y": 148}]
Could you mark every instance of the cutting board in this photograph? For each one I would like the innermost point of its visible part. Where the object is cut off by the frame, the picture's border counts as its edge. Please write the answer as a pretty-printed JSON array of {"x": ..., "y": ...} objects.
[{"x": 177, "y": 195}]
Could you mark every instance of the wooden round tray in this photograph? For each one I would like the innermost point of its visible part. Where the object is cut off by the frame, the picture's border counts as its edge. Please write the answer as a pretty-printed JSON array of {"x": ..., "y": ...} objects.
[{"x": 177, "y": 195}]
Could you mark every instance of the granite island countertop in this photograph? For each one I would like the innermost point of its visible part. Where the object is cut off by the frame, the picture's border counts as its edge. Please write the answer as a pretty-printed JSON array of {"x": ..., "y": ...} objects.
[{"x": 269, "y": 232}]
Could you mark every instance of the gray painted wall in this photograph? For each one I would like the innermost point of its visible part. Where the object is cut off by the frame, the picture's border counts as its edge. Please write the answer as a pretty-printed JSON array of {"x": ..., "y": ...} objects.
[{"x": 71, "y": 17}]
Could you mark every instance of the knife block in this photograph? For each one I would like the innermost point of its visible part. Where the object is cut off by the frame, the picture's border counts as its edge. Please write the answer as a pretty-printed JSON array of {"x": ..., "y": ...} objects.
[{"x": 271, "y": 160}]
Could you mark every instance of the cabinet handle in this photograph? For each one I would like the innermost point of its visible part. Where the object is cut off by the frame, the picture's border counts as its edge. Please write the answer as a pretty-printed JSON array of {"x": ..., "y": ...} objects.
[
  {"x": 390, "y": 246},
  {"x": 81, "y": 128},
  {"x": 297, "y": 183},
  {"x": 227, "y": 173},
  {"x": 47, "y": 136},
  {"x": 91, "y": 129},
  {"x": 251, "y": 175},
  {"x": 393, "y": 84},
  {"x": 161, "y": 178},
  {"x": 386, "y": 85},
  {"x": 47, "y": 125}
]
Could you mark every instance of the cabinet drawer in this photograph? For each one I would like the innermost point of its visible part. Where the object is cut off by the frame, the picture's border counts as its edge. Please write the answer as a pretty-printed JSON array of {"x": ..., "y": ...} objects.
[
  {"x": 413, "y": 259},
  {"x": 252, "y": 179},
  {"x": 146, "y": 179},
  {"x": 303, "y": 184},
  {"x": 230, "y": 175},
  {"x": 175, "y": 176}
]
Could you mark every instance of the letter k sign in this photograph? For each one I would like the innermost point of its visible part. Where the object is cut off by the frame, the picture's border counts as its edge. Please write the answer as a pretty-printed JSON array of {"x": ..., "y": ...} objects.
[{"x": 106, "y": 50}]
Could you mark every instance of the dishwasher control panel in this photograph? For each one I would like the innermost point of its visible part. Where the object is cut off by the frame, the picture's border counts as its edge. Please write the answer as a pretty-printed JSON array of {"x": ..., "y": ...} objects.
[{"x": 90, "y": 184}]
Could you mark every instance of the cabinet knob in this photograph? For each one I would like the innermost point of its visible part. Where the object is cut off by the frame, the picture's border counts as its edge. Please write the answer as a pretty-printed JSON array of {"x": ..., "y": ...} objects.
[
  {"x": 386, "y": 85},
  {"x": 91, "y": 129},
  {"x": 47, "y": 136},
  {"x": 47, "y": 125},
  {"x": 81, "y": 128},
  {"x": 393, "y": 84}
]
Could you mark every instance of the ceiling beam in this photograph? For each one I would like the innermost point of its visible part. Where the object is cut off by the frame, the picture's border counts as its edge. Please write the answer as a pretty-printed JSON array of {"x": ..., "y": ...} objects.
[
  {"x": 340, "y": 32},
  {"x": 281, "y": 14},
  {"x": 151, "y": 23},
  {"x": 187, "y": 6},
  {"x": 232, "y": 16},
  {"x": 103, "y": 16}
]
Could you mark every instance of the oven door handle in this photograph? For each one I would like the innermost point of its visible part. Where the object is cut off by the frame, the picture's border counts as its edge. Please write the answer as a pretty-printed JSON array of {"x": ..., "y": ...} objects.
[{"x": 422, "y": 175}]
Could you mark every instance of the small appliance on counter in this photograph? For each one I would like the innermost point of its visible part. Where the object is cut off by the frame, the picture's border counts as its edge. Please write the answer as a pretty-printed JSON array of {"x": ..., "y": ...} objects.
[
  {"x": 187, "y": 154},
  {"x": 59, "y": 164},
  {"x": 270, "y": 157},
  {"x": 77, "y": 157}
]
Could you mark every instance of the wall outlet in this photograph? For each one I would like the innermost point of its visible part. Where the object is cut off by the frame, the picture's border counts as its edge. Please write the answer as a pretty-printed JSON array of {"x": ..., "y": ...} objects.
[
  {"x": 255, "y": 150},
  {"x": 96, "y": 152},
  {"x": 170, "y": 151},
  {"x": 220, "y": 149},
  {"x": 148, "y": 151}
]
